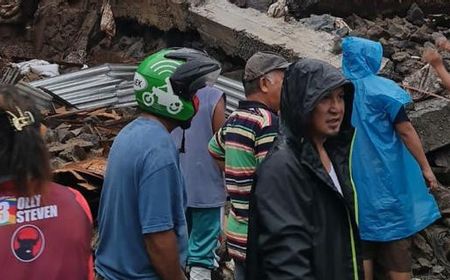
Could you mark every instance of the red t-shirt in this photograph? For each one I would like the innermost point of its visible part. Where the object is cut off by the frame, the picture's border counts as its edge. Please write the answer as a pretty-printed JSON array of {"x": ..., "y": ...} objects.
[{"x": 45, "y": 236}]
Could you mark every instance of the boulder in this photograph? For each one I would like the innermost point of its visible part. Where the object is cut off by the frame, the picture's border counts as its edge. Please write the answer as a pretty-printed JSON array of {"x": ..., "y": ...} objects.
[
  {"x": 415, "y": 15},
  {"x": 430, "y": 118}
]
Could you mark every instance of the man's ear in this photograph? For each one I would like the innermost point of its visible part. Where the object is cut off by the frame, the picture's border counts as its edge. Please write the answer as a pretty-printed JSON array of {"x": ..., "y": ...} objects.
[{"x": 264, "y": 84}]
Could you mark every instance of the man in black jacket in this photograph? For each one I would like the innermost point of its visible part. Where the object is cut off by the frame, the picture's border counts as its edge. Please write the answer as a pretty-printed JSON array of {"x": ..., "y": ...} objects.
[{"x": 302, "y": 221}]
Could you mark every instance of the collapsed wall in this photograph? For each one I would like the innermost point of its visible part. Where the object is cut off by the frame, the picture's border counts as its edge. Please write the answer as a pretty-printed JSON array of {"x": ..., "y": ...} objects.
[{"x": 238, "y": 32}]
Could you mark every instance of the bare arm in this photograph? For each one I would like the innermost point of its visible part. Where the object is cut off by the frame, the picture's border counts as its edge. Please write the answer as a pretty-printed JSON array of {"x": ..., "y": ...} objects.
[
  {"x": 443, "y": 74},
  {"x": 221, "y": 164},
  {"x": 217, "y": 122},
  {"x": 432, "y": 57},
  {"x": 163, "y": 251},
  {"x": 219, "y": 115},
  {"x": 412, "y": 142},
  {"x": 215, "y": 145}
]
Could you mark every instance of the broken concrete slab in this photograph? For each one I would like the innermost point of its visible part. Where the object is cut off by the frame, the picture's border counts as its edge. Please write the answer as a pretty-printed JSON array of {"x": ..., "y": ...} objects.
[
  {"x": 431, "y": 120},
  {"x": 242, "y": 32},
  {"x": 239, "y": 32}
]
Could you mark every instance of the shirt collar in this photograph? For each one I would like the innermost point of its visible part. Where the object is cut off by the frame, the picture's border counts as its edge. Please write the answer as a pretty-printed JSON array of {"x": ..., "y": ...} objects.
[{"x": 247, "y": 104}]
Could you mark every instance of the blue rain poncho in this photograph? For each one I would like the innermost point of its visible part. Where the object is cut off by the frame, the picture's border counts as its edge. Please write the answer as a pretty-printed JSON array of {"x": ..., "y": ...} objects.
[{"x": 393, "y": 200}]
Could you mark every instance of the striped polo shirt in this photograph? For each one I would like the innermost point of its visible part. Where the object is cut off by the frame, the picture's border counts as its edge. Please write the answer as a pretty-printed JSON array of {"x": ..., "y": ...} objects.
[{"x": 242, "y": 142}]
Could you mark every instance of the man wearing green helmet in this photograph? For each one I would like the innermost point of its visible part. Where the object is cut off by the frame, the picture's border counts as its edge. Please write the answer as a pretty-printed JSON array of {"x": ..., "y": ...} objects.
[{"x": 142, "y": 226}]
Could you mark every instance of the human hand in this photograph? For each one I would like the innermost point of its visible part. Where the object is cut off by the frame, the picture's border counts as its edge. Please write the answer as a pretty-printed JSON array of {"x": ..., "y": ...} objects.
[
  {"x": 430, "y": 179},
  {"x": 442, "y": 43},
  {"x": 432, "y": 57}
]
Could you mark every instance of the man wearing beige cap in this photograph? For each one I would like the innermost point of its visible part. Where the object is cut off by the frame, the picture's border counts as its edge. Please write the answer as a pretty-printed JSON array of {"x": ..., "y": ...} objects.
[{"x": 243, "y": 142}]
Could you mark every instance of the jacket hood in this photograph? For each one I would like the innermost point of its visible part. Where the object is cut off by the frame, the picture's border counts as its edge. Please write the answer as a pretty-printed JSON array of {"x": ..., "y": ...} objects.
[
  {"x": 361, "y": 57},
  {"x": 306, "y": 82}
]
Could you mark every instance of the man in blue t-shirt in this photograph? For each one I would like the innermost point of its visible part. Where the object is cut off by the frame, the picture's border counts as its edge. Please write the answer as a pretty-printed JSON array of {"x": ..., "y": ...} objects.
[{"x": 142, "y": 226}]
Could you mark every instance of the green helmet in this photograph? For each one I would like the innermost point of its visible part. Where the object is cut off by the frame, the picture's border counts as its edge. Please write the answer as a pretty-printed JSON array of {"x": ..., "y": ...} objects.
[{"x": 165, "y": 82}]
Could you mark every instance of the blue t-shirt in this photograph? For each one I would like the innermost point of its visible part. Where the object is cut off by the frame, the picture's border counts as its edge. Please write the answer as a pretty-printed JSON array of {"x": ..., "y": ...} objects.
[{"x": 143, "y": 193}]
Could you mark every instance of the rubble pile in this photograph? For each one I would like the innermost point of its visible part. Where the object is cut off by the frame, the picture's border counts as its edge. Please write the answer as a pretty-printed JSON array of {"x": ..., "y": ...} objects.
[
  {"x": 79, "y": 142},
  {"x": 403, "y": 39},
  {"x": 77, "y": 32}
]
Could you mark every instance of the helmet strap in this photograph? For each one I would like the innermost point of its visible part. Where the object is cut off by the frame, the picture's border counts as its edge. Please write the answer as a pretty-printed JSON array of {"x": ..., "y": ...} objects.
[{"x": 182, "y": 149}]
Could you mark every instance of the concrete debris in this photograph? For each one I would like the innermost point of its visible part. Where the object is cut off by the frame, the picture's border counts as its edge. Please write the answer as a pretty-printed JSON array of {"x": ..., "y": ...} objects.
[
  {"x": 430, "y": 118},
  {"x": 441, "y": 162},
  {"x": 73, "y": 33},
  {"x": 415, "y": 15},
  {"x": 242, "y": 32},
  {"x": 334, "y": 25},
  {"x": 367, "y": 8},
  {"x": 431, "y": 247},
  {"x": 424, "y": 80},
  {"x": 403, "y": 39},
  {"x": 10, "y": 11},
  {"x": 278, "y": 9},
  {"x": 107, "y": 22}
]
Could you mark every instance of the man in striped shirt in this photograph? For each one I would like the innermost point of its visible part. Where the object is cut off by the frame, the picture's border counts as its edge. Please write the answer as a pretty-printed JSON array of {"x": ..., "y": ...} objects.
[{"x": 243, "y": 142}]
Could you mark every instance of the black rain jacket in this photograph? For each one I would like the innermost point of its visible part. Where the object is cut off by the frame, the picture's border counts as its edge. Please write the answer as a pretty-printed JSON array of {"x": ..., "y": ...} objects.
[{"x": 300, "y": 226}]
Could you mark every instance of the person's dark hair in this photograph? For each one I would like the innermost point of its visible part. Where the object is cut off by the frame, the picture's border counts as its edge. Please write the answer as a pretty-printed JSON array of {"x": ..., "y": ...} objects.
[
  {"x": 251, "y": 87},
  {"x": 23, "y": 154}
]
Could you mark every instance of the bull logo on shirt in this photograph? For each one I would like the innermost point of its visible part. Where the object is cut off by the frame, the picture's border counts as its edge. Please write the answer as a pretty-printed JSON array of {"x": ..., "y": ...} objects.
[{"x": 27, "y": 243}]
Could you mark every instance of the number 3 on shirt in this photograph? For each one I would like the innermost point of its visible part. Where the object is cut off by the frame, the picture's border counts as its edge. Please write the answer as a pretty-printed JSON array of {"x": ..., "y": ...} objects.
[{"x": 4, "y": 212}]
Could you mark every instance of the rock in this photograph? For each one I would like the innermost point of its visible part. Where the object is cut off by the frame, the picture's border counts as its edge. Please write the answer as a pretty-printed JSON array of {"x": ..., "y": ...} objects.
[
  {"x": 261, "y": 5},
  {"x": 421, "y": 247},
  {"x": 408, "y": 67},
  {"x": 376, "y": 32},
  {"x": 388, "y": 71},
  {"x": 398, "y": 31},
  {"x": 94, "y": 139},
  {"x": 239, "y": 3},
  {"x": 400, "y": 56},
  {"x": 442, "y": 157},
  {"x": 64, "y": 135},
  {"x": 415, "y": 15},
  {"x": 443, "y": 176},
  {"x": 320, "y": 22},
  {"x": 77, "y": 131},
  {"x": 422, "y": 35},
  {"x": 298, "y": 8},
  {"x": 426, "y": 80},
  {"x": 388, "y": 48},
  {"x": 278, "y": 9},
  {"x": 137, "y": 49},
  {"x": 73, "y": 154},
  {"x": 401, "y": 44},
  {"x": 430, "y": 119},
  {"x": 51, "y": 136},
  {"x": 57, "y": 163},
  {"x": 438, "y": 269},
  {"x": 424, "y": 262}
]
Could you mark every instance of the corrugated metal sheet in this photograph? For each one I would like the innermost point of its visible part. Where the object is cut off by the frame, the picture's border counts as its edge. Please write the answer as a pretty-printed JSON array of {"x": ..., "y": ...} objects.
[
  {"x": 112, "y": 85},
  {"x": 42, "y": 99}
]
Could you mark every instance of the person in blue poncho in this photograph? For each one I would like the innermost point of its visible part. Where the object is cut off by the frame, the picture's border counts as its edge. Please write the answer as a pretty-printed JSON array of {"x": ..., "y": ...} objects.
[{"x": 388, "y": 164}]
